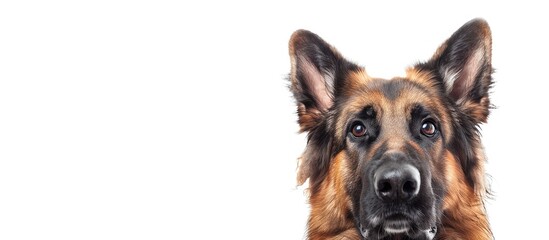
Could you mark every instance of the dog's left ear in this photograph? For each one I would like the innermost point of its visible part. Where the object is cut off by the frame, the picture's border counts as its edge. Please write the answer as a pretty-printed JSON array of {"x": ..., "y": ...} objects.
[
  {"x": 317, "y": 74},
  {"x": 317, "y": 78},
  {"x": 463, "y": 63}
]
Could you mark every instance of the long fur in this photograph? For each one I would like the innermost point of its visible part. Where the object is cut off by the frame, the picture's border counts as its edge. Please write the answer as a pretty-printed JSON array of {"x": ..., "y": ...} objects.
[{"x": 452, "y": 88}]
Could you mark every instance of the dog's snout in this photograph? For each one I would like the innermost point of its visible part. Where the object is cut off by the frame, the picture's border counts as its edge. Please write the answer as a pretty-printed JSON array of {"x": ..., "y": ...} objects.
[{"x": 397, "y": 182}]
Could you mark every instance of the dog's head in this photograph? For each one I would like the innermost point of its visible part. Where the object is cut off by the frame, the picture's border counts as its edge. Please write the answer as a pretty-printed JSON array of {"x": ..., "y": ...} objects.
[{"x": 390, "y": 152}]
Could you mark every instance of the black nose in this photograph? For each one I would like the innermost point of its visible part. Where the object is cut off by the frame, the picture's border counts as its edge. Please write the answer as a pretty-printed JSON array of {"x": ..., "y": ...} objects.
[{"x": 396, "y": 182}]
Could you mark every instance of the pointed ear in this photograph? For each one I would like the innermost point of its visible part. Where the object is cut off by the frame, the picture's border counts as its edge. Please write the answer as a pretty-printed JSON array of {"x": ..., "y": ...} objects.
[
  {"x": 464, "y": 65},
  {"x": 315, "y": 72}
]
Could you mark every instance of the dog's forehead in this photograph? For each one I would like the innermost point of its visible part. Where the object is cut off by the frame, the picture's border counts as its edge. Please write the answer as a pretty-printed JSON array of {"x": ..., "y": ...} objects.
[{"x": 396, "y": 95}]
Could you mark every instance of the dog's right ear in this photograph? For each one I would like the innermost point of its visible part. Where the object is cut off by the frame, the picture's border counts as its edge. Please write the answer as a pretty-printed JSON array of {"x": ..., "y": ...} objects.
[
  {"x": 464, "y": 65},
  {"x": 316, "y": 68}
]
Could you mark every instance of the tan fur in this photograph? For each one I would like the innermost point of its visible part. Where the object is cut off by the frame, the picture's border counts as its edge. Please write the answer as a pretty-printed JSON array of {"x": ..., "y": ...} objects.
[
  {"x": 479, "y": 111},
  {"x": 424, "y": 78},
  {"x": 330, "y": 205},
  {"x": 464, "y": 214},
  {"x": 392, "y": 109},
  {"x": 307, "y": 118},
  {"x": 322, "y": 81},
  {"x": 356, "y": 80}
]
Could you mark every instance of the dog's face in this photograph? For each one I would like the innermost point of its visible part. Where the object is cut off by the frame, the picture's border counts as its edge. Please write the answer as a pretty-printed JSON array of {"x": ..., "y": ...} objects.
[
  {"x": 393, "y": 134},
  {"x": 389, "y": 159}
]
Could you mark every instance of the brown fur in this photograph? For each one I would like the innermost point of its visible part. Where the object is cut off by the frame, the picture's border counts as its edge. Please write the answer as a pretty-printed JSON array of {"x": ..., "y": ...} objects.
[
  {"x": 330, "y": 91},
  {"x": 330, "y": 207},
  {"x": 464, "y": 217}
]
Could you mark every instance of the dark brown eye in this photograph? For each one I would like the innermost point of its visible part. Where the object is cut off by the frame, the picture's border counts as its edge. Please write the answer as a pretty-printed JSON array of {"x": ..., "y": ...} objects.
[
  {"x": 358, "y": 130},
  {"x": 428, "y": 128}
]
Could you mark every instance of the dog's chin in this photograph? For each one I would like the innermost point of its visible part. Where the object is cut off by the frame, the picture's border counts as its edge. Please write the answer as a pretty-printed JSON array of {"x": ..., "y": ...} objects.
[{"x": 396, "y": 227}]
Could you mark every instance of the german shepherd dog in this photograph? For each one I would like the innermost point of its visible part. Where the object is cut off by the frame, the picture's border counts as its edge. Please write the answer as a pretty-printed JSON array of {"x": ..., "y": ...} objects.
[{"x": 399, "y": 158}]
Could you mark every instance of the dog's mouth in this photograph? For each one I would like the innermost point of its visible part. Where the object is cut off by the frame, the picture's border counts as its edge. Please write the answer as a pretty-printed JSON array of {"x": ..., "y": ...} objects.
[{"x": 397, "y": 226}]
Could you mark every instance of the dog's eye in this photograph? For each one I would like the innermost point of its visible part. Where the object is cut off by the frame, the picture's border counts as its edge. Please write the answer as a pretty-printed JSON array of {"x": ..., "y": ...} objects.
[
  {"x": 358, "y": 130},
  {"x": 428, "y": 128}
]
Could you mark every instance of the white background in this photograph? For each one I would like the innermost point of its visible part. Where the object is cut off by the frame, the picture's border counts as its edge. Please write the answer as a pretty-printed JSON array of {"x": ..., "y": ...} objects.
[{"x": 171, "y": 120}]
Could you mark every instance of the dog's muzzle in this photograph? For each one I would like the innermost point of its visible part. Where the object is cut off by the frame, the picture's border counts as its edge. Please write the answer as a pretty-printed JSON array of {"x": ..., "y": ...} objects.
[{"x": 397, "y": 199}]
